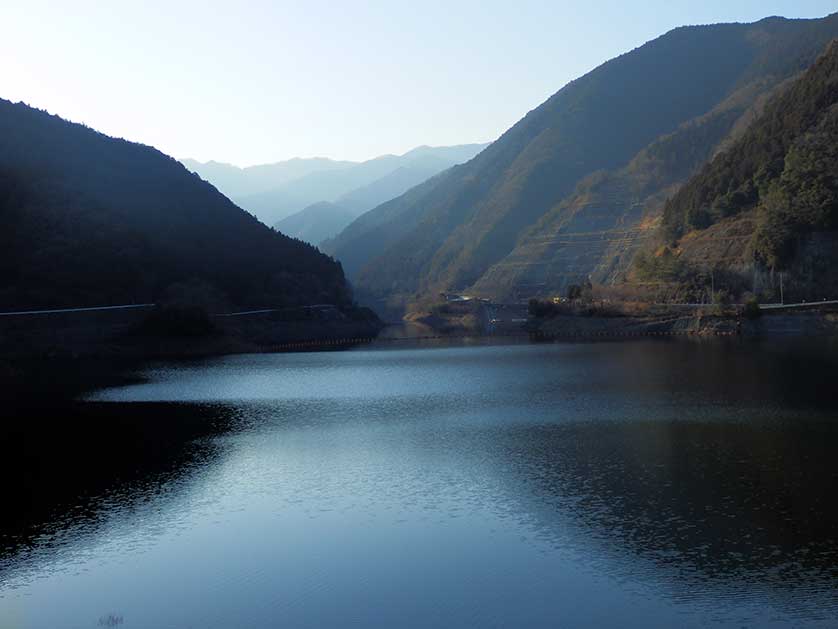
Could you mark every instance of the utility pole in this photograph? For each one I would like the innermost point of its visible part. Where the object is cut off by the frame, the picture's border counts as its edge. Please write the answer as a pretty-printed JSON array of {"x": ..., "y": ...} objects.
[
  {"x": 712, "y": 286},
  {"x": 782, "y": 301}
]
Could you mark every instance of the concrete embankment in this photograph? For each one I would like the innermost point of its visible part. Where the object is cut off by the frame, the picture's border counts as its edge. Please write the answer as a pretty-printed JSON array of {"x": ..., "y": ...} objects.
[{"x": 680, "y": 324}]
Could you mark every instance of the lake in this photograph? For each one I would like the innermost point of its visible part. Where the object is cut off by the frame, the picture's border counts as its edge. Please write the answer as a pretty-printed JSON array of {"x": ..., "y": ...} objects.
[{"x": 636, "y": 484}]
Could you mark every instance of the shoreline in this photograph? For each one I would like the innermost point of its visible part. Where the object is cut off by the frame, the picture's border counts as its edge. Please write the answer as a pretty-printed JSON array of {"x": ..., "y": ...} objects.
[
  {"x": 55, "y": 377},
  {"x": 48, "y": 362},
  {"x": 607, "y": 320}
]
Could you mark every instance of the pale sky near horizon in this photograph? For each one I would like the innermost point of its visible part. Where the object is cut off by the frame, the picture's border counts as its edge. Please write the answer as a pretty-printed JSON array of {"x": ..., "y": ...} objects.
[{"x": 257, "y": 82}]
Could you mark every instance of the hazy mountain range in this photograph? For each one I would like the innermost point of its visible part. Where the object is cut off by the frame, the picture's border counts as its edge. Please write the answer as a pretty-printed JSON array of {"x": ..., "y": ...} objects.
[
  {"x": 273, "y": 192},
  {"x": 317, "y": 222},
  {"x": 577, "y": 186}
]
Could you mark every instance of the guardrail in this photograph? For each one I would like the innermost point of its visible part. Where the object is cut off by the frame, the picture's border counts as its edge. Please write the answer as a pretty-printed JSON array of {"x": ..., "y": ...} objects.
[
  {"x": 20, "y": 313},
  {"x": 803, "y": 305}
]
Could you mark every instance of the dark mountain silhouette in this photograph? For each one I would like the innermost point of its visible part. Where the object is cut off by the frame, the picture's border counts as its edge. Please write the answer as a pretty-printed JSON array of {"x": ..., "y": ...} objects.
[
  {"x": 449, "y": 234},
  {"x": 93, "y": 220}
]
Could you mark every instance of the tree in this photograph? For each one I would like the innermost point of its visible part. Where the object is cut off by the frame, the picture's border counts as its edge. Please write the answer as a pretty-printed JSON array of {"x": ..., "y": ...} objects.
[{"x": 752, "y": 309}]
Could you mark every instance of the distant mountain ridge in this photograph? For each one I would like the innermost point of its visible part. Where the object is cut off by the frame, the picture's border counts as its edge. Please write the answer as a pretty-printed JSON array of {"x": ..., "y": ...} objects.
[
  {"x": 235, "y": 182},
  {"x": 272, "y": 192},
  {"x": 390, "y": 186},
  {"x": 615, "y": 128},
  {"x": 317, "y": 222}
]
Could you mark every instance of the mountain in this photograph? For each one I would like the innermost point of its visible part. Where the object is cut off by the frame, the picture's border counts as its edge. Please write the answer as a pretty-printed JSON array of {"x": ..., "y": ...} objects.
[
  {"x": 697, "y": 84},
  {"x": 369, "y": 236},
  {"x": 316, "y": 222},
  {"x": 322, "y": 221},
  {"x": 276, "y": 191},
  {"x": 390, "y": 186},
  {"x": 92, "y": 220},
  {"x": 238, "y": 183},
  {"x": 260, "y": 178},
  {"x": 769, "y": 202},
  {"x": 595, "y": 232}
]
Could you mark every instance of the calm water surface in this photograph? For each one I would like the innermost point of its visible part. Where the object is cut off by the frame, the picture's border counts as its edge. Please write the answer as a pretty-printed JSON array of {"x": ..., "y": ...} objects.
[{"x": 611, "y": 485}]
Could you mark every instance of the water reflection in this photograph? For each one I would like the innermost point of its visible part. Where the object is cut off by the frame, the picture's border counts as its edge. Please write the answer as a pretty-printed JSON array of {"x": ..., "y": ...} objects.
[
  {"x": 701, "y": 505},
  {"x": 67, "y": 470},
  {"x": 637, "y": 484}
]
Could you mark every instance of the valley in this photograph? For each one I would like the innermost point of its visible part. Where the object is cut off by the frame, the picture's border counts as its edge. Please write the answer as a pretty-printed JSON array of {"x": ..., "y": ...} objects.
[{"x": 469, "y": 315}]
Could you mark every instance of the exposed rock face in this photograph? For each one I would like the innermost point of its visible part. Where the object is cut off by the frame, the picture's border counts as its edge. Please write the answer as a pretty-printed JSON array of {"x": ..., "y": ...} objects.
[{"x": 595, "y": 238}]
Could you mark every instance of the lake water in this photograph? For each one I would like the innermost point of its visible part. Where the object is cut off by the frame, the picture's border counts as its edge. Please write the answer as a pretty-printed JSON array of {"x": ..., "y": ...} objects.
[{"x": 638, "y": 484}]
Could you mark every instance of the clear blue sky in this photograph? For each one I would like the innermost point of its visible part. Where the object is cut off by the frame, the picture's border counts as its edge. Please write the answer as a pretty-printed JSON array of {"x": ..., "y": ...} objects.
[{"x": 254, "y": 82}]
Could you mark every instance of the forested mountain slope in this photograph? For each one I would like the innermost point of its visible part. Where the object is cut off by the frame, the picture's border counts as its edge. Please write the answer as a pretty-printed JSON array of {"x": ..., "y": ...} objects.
[
  {"x": 93, "y": 220},
  {"x": 595, "y": 232},
  {"x": 447, "y": 236},
  {"x": 372, "y": 233},
  {"x": 784, "y": 165},
  {"x": 769, "y": 202}
]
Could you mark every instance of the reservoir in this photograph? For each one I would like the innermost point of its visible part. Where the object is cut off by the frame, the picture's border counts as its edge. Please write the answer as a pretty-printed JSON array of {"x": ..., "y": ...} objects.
[{"x": 635, "y": 484}]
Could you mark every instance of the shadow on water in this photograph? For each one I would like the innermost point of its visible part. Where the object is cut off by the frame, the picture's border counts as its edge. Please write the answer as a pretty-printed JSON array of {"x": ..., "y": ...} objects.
[
  {"x": 780, "y": 373},
  {"x": 698, "y": 503},
  {"x": 740, "y": 480},
  {"x": 64, "y": 465}
]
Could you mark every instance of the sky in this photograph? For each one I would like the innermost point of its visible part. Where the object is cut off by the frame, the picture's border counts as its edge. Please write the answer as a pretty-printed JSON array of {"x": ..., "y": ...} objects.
[{"x": 258, "y": 82}]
